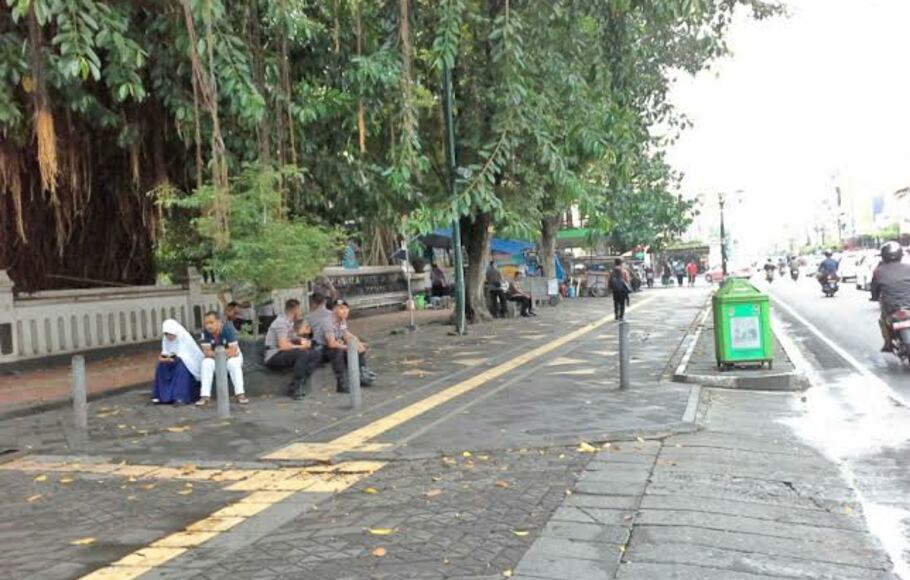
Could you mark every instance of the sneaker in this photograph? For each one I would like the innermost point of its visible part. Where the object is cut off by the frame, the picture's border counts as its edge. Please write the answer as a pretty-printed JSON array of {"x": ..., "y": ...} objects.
[
  {"x": 156, "y": 401},
  {"x": 241, "y": 399},
  {"x": 203, "y": 401}
]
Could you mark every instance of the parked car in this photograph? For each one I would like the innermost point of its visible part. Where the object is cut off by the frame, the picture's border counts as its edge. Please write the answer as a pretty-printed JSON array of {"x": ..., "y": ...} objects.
[
  {"x": 715, "y": 274},
  {"x": 865, "y": 267},
  {"x": 848, "y": 267}
]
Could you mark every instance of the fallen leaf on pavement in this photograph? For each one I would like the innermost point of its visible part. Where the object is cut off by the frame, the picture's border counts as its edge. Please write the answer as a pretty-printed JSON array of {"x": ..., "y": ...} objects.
[
  {"x": 121, "y": 426},
  {"x": 466, "y": 454},
  {"x": 379, "y": 552},
  {"x": 449, "y": 461},
  {"x": 82, "y": 542},
  {"x": 503, "y": 484},
  {"x": 188, "y": 467},
  {"x": 433, "y": 493},
  {"x": 585, "y": 447},
  {"x": 639, "y": 439},
  {"x": 370, "y": 490},
  {"x": 148, "y": 486},
  {"x": 178, "y": 429},
  {"x": 521, "y": 533},
  {"x": 568, "y": 492},
  {"x": 382, "y": 531},
  {"x": 41, "y": 478},
  {"x": 65, "y": 480},
  {"x": 507, "y": 573},
  {"x": 186, "y": 491},
  {"x": 34, "y": 498}
]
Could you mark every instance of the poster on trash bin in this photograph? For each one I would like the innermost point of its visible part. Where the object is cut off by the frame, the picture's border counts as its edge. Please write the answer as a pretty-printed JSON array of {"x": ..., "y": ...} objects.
[{"x": 745, "y": 333}]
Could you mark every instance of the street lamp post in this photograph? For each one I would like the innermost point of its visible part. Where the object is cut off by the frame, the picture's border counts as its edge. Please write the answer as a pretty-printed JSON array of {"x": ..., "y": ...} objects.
[{"x": 721, "y": 200}]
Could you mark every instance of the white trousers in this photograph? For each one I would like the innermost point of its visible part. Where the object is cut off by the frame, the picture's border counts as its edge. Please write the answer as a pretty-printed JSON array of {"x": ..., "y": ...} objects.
[{"x": 234, "y": 369}]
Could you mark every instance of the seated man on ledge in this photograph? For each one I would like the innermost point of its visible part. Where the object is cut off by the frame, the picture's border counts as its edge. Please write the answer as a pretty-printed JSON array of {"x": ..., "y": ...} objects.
[
  {"x": 334, "y": 336},
  {"x": 216, "y": 334},
  {"x": 517, "y": 294},
  {"x": 282, "y": 351}
]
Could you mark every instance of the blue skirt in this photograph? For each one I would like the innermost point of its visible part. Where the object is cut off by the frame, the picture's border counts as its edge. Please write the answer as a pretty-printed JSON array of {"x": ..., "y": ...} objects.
[{"x": 174, "y": 383}]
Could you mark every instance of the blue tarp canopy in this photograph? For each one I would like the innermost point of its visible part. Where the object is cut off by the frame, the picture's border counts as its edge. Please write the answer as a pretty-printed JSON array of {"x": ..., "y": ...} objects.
[{"x": 442, "y": 238}]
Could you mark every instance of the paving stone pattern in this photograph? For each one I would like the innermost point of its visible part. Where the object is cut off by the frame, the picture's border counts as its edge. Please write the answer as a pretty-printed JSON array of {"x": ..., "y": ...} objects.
[
  {"x": 121, "y": 515},
  {"x": 741, "y": 500},
  {"x": 454, "y": 517}
]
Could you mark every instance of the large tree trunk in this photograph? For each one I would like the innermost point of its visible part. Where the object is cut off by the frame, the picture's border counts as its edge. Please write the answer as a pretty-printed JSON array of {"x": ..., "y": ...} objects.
[
  {"x": 549, "y": 227},
  {"x": 476, "y": 234}
]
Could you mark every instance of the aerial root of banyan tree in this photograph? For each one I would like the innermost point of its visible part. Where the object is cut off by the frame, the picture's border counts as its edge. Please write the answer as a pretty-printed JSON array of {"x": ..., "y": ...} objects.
[{"x": 46, "y": 137}]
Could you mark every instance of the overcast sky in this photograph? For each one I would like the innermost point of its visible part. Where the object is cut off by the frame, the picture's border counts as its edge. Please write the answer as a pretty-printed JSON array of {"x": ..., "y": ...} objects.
[{"x": 823, "y": 92}]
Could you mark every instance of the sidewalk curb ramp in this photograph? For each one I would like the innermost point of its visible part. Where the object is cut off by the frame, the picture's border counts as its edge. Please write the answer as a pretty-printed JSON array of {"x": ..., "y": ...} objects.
[{"x": 780, "y": 381}]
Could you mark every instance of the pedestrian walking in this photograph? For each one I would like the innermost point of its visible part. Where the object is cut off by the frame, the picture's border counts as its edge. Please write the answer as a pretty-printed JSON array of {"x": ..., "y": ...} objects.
[
  {"x": 619, "y": 285},
  {"x": 692, "y": 271}
]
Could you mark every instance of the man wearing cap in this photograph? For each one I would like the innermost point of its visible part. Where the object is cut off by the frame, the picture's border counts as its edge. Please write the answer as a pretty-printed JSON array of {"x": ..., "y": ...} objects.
[{"x": 333, "y": 335}]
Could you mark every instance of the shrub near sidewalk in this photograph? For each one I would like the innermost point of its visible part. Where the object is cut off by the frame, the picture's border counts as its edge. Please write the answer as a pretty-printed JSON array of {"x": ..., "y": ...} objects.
[{"x": 259, "y": 246}]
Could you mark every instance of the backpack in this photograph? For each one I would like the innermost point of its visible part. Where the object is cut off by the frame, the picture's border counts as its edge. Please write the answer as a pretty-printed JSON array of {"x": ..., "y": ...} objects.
[{"x": 617, "y": 284}]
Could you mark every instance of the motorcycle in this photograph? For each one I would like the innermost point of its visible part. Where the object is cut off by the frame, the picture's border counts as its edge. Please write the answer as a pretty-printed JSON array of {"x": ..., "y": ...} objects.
[
  {"x": 900, "y": 334},
  {"x": 829, "y": 284},
  {"x": 769, "y": 275},
  {"x": 794, "y": 273}
]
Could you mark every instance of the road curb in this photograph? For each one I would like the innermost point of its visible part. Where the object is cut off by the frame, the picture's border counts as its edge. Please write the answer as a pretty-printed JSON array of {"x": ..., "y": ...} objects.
[{"x": 786, "y": 381}]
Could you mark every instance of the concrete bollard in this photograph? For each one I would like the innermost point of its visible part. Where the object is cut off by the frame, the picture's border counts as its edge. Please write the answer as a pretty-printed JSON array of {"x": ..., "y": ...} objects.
[
  {"x": 80, "y": 397},
  {"x": 221, "y": 383},
  {"x": 354, "y": 373},
  {"x": 623, "y": 354}
]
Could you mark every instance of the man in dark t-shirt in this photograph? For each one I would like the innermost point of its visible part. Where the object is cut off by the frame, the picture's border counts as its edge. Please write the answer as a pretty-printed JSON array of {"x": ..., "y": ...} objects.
[{"x": 218, "y": 334}]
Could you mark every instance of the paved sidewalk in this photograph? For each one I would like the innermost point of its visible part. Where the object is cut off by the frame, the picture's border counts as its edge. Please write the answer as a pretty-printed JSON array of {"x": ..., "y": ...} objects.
[
  {"x": 463, "y": 455},
  {"x": 741, "y": 500},
  {"x": 26, "y": 387}
]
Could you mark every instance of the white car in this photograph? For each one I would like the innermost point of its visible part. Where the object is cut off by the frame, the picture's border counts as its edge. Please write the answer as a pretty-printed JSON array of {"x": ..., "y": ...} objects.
[
  {"x": 848, "y": 269},
  {"x": 865, "y": 267}
]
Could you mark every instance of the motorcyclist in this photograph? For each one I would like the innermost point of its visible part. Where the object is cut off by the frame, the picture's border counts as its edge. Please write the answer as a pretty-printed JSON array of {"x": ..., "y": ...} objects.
[
  {"x": 782, "y": 265},
  {"x": 891, "y": 287},
  {"x": 793, "y": 264},
  {"x": 828, "y": 267},
  {"x": 770, "y": 268}
]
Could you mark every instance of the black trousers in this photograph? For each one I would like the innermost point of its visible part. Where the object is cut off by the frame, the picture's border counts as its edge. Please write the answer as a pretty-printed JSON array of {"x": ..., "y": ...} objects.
[
  {"x": 619, "y": 303},
  {"x": 524, "y": 302},
  {"x": 500, "y": 306},
  {"x": 339, "y": 361},
  {"x": 304, "y": 362}
]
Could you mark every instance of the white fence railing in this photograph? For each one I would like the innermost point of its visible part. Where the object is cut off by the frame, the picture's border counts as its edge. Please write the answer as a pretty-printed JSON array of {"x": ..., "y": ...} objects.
[{"x": 58, "y": 322}]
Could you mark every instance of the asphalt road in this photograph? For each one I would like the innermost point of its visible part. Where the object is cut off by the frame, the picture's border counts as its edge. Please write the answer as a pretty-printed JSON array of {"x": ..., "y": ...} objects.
[
  {"x": 849, "y": 320},
  {"x": 858, "y": 410}
]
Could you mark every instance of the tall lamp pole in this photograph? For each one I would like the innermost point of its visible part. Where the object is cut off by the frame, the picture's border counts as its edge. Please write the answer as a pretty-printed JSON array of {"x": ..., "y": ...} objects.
[
  {"x": 721, "y": 200},
  {"x": 456, "y": 227}
]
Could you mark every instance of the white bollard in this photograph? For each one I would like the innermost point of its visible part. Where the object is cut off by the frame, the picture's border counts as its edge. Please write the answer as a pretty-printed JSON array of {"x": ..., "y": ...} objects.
[
  {"x": 221, "y": 383},
  {"x": 80, "y": 397},
  {"x": 354, "y": 373}
]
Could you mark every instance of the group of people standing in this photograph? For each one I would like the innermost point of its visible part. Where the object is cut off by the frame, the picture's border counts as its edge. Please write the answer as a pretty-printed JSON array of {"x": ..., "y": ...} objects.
[{"x": 186, "y": 366}]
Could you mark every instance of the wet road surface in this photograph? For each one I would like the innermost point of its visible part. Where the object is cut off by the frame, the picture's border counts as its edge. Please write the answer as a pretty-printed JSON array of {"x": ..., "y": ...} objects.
[{"x": 858, "y": 410}]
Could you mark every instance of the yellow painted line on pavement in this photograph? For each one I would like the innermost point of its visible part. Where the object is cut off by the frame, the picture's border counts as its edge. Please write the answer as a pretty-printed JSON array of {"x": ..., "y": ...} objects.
[
  {"x": 357, "y": 440},
  {"x": 262, "y": 482}
]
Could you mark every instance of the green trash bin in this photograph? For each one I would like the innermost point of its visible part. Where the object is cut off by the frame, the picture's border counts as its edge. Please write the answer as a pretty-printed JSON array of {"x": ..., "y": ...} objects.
[{"x": 742, "y": 325}]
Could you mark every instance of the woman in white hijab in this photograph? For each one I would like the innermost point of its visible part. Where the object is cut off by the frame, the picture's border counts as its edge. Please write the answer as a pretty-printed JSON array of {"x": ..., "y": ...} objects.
[{"x": 179, "y": 366}]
